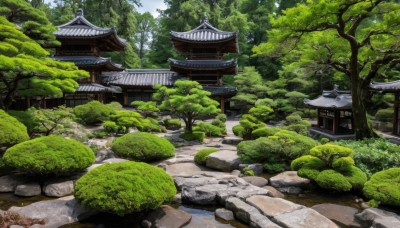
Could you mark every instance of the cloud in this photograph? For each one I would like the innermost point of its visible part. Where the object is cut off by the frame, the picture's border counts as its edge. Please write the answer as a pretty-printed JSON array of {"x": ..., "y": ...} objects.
[{"x": 152, "y": 6}]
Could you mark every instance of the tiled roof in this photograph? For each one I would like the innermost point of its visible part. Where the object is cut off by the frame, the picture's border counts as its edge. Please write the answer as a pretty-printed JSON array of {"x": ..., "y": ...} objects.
[
  {"x": 141, "y": 77},
  {"x": 332, "y": 99},
  {"x": 215, "y": 90},
  {"x": 203, "y": 64},
  {"x": 95, "y": 88},
  {"x": 79, "y": 27},
  {"x": 91, "y": 61},
  {"x": 204, "y": 33},
  {"x": 386, "y": 86}
]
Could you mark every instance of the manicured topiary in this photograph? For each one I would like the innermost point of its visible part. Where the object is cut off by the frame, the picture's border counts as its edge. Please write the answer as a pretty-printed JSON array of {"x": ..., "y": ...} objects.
[
  {"x": 93, "y": 112},
  {"x": 124, "y": 188},
  {"x": 331, "y": 167},
  {"x": 172, "y": 124},
  {"x": 11, "y": 130},
  {"x": 265, "y": 132},
  {"x": 293, "y": 144},
  {"x": 384, "y": 187},
  {"x": 49, "y": 155},
  {"x": 238, "y": 130},
  {"x": 208, "y": 129},
  {"x": 142, "y": 146},
  {"x": 201, "y": 156},
  {"x": 194, "y": 136}
]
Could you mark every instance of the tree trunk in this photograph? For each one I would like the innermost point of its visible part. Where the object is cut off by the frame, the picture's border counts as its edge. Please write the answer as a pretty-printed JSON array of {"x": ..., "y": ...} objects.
[
  {"x": 359, "y": 91},
  {"x": 189, "y": 125}
]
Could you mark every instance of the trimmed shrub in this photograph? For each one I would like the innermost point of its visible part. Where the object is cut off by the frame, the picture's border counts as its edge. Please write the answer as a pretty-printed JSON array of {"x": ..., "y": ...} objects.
[
  {"x": 110, "y": 127},
  {"x": 142, "y": 146},
  {"x": 201, "y": 156},
  {"x": 221, "y": 125},
  {"x": 208, "y": 129},
  {"x": 194, "y": 136},
  {"x": 93, "y": 112},
  {"x": 150, "y": 125},
  {"x": 221, "y": 117},
  {"x": 384, "y": 187},
  {"x": 124, "y": 188},
  {"x": 26, "y": 118},
  {"x": 249, "y": 124},
  {"x": 265, "y": 132},
  {"x": 331, "y": 167},
  {"x": 12, "y": 131},
  {"x": 49, "y": 155},
  {"x": 172, "y": 124},
  {"x": 238, "y": 130},
  {"x": 384, "y": 115},
  {"x": 293, "y": 144},
  {"x": 115, "y": 105}
]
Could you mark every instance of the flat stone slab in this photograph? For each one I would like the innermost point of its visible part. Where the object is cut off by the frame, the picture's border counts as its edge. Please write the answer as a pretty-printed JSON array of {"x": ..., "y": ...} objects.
[
  {"x": 232, "y": 140},
  {"x": 114, "y": 160},
  {"x": 303, "y": 218},
  {"x": 374, "y": 217},
  {"x": 288, "y": 179},
  {"x": 274, "y": 192},
  {"x": 272, "y": 206},
  {"x": 178, "y": 160},
  {"x": 185, "y": 169},
  {"x": 256, "y": 181},
  {"x": 224, "y": 214},
  {"x": 341, "y": 215},
  {"x": 166, "y": 216},
  {"x": 225, "y": 160}
]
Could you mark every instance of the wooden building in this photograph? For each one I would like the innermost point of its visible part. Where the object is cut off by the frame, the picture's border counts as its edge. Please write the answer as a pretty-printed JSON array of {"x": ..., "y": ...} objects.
[
  {"x": 335, "y": 116},
  {"x": 83, "y": 43}
]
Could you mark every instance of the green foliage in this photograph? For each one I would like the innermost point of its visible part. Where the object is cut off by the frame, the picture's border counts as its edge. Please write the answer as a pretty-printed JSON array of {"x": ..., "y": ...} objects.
[
  {"x": 262, "y": 113},
  {"x": 115, "y": 105},
  {"x": 52, "y": 121},
  {"x": 141, "y": 146},
  {"x": 297, "y": 124},
  {"x": 148, "y": 108},
  {"x": 26, "y": 118},
  {"x": 124, "y": 188},
  {"x": 208, "y": 129},
  {"x": 172, "y": 124},
  {"x": 266, "y": 102},
  {"x": 110, "y": 127},
  {"x": 384, "y": 115},
  {"x": 12, "y": 131},
  {"x": 126, "y": 119},
  {"x": 93, "y": 112},
  {"x": 188, "y": 101},
  {"x": 331, "y": 167},
  {"x": 293, "y": 144},
  {"x": 296, "y": 98},
  {"x": 221, "y": 117},
  {"x": 194, "y": 136},
  {"x": 238, "y": 130},
  {"x": 249, "y": 124},
  {"x": 373, "y": 155},
  {"x": 201, "y": 156},
  {"x": 247, "y": 172},
  {"x": 264, "y": 132},
  {"x": 49, "y": 155},
  {"x": 384, "y": 187},
  {"x": 150, "y": 125},
  {"x": 275, "y": 167}
]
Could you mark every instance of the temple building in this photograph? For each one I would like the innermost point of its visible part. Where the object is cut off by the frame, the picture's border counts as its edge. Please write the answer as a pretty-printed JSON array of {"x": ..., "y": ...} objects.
[
  {"x": 391, "y": 87},
  {"x": 335, "y": 116},
  {"x": 83, "y": 43}
]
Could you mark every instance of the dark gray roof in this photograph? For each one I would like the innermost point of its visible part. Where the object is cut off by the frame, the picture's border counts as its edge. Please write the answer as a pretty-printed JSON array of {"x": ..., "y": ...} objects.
[
  {"x": 91, "y": 61},
  {"x": 95, "y": 88},
  {"x": 141, "y": 77},
  {"x": 332, "y": 99},
  {"x": 386, "y": 86},
  {"x": 216, "y": 90},
  {"x": 79, "y": 27},
  {"x": 203, "y": 64},
  {"x": 204, "y": 33}
]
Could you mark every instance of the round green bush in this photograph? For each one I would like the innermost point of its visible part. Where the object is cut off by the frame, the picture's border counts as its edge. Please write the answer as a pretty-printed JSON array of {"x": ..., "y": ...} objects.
[
  {"x": 123, "y": 188},
  {"x": 194, "y": 136},
  {"x": 333, "y": 180},
  {"x": 384, "y": 187},
  {"x": 11, "y": 130},
  {"x": 265, "y": 132},
  {"x": 238, "y": 130},
  {"x": 384, "y": 115},
  {"x": 49, "y": 155},
  {"x": 142, "y": 146},
  {"x": 93, "y": 112},
  {"x": 201, "y": 156}
]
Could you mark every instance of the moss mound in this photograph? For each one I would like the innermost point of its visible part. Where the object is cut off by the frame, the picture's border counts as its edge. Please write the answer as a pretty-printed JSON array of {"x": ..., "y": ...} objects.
[
  {"x": 202, "y": 155},
  {"x": 142, "y": 146},
  {"x": 93, "y": 112},
  {"x": 384, "y": 187},
  {"x": 123, "y": 188},
  {"x": 194, "y": 136},
  {"x": 12, "y": 131},
  {"x": 49, "y": 155}
]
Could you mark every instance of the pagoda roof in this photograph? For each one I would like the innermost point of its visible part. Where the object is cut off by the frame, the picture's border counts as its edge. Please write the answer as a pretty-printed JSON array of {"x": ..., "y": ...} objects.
[
  {"x": 81, "y": 28},
  {"x": 386, "y": 86},
  {"x": 207, "y": 65},
  {"x": 221, "y": 91},
  {"x": 95, "y": 88},
  {"x": 206, "y": 33},
  {"x": 332, "y": 99},
  {"x": 141, "y": 77},
  {"x": 91, "y": 62}
]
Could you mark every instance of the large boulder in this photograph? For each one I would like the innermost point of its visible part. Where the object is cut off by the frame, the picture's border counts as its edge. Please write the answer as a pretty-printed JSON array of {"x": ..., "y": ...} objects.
[
  {"x": 224, "y": 214},
  {"x": 166, "y": 216},
  {"x": 186, "y": 169},
  {"x": 274, "y": 192},
  {"x": 271, "y": 207},
  {"x": 256, "y": 181},
  {"x": 8, "y": 183},
  {"x": 374, "y": 217},
  {"x": 225, "y": 160},
  {"x": 29, "y": 189},
  {"x": 58, "y": 188},
  {"x": 341, "y": 215},
  {"x": 303, "y": 218},
  {"x": 289, "y": 182},
  {"x": 56, "y": 212}
]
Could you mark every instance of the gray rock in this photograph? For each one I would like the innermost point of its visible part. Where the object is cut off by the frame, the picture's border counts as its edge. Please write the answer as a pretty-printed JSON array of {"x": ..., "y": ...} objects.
[
  {"x": 224, "y": 214},
  {"x": 291, "y": 190},
  {"x": 341, "y": 215},
  {"x": 271, "y": 207},
  {"x": 146, "y": 224},
  {"x": 225, "y": 160},
  {"x": 30, "y": 189},
  {"x": 162, "y": 166},
  {"x": 236, "y": 173},
  {"x": 187, "y": 169},
  {"x": 274, "y": 192},
  {"x": 178, "y": 160},
  {"x": 16, "y": 226},
  {"x": 177, "y": 198},
  {"x": 374, "y": 217},
  {"x": 232, "y": 140},
  {"x": 56, "y": 212},
  {"x": 194, "y": 182},
  {"x": 8, "y": 183},
  {"x": 252, "y": 191},
  {"x": 288, "y": 179},
  {"x": 114, "y": 160},
  {"x": 92, "y": 167},
  {"x": 58, "y": 189},
  {"x": 103, "y": 155},
  {"x": 166, "y": 216},
  {"x": 257, "y": 220},
  {"x": 303, "y": 218},
  {"x": 257, "y": 168},
  {"x": 256, "y": 181},
  {"x": 203, "y": 195},
  {"x": 241, "y": 209}
]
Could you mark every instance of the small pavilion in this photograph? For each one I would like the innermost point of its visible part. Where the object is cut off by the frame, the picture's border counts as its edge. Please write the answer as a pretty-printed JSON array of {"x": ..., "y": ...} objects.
[{"x": 335, "y": 116}]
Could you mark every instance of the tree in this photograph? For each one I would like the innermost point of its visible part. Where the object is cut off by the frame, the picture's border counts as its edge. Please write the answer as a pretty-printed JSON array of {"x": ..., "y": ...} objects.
[
  {"x": 146, "y": 24},
  {"x": 51, "y": 120},
  {"x": 356, "y": 38},
  {"x": 188, "y": 101},
  {"x": 25, "y": 69},
  {"x": 296, "y": 98}
]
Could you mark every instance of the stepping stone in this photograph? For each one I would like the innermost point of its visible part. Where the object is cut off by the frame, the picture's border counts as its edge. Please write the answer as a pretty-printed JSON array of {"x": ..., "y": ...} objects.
[
  {"x": 341, "y": 215},
  {"x": 166, "y": 216},
  {"x": 303, "y": 218},
  {"x": 256, "y": 181},
  {"x": 271, "y": 207},
  {"x": 224, "y": 160}
]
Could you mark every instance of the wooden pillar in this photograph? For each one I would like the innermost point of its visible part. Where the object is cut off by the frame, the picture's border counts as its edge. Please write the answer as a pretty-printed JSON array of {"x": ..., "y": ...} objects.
[
  {"x": 396, "y": 114},
  {"x": 126, "y": 99},
  {"x": 222, "y": 105},
  {"x": 318, "y": 118}
]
